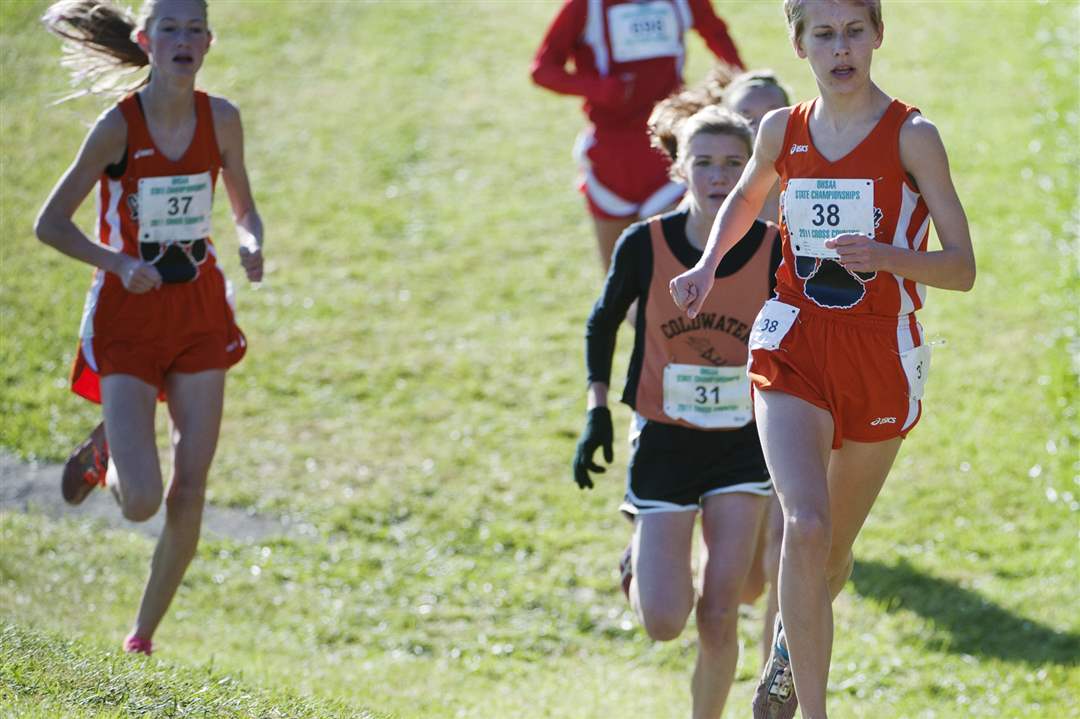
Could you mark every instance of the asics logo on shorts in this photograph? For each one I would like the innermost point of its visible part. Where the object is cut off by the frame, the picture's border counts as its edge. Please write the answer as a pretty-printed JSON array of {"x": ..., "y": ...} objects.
[
  {"x": 883, "y": 420},
  {"x": 796, "y": 149}
]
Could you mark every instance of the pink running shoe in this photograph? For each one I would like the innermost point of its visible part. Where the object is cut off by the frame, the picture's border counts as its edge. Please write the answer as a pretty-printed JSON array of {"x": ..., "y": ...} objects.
[
  {"x": 626, "y": 569},
  {"x": 86, "y": 467},
  {"x": 138, "y": 645}
]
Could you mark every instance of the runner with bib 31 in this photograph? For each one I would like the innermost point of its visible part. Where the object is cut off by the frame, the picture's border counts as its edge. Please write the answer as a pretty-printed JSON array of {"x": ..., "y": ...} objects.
[{"x": 694, "y": 446}]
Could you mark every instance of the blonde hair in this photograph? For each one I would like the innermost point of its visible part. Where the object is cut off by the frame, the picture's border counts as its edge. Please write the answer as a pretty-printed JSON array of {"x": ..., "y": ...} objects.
[
  {"x": 754, "y": 79},
  {"x": 710, "y": 119},
  {"x": 99, "y": 43},
  {"x": 795, "y": 12}
]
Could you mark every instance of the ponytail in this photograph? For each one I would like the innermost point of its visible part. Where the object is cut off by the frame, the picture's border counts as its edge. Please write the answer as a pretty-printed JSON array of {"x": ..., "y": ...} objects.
[
  {"x": 670, "y": 112},
  {"x": 99, "y": 46}
]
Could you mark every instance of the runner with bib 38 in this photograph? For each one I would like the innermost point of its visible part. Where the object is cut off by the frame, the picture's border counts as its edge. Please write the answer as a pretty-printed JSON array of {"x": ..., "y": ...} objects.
[{"x": 838, "y": 360}]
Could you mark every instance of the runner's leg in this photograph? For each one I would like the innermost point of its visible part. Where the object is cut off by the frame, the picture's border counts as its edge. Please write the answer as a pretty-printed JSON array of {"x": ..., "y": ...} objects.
[
  {"x": 662, "y": 590},
  {"x": 134, "y": 473},
  {"x": 195, "y": 405}
]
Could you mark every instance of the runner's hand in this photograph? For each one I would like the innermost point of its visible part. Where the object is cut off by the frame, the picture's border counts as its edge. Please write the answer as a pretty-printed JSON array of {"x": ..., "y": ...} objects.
[
  {"x": 859, "y": 253},
  {"x": 689, "y": 289},
  {"x": 138, "y": 276},
  {"x": 598, "y": 433},
  {"x": 251, "y": 258}
]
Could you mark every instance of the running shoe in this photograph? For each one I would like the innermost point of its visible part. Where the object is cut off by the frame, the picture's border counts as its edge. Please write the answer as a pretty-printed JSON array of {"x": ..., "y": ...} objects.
[
  {"x": 86, "y": 467},
  {"x": 626, "y": 570},
  {"x": 138, "y": 645},
  {"x": 775, "y": 696}
]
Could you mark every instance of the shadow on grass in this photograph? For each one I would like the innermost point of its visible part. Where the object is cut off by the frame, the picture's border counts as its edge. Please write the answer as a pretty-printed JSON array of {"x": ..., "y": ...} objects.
[{"x": 965, "y": 622}]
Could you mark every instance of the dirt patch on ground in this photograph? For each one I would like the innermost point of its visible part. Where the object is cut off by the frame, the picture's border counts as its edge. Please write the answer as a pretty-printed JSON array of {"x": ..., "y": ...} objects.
[{"x": 34, "y": 487}]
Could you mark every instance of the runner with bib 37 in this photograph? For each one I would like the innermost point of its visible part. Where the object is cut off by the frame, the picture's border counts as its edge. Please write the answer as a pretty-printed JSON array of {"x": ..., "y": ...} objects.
[
  {"x": 158, "y": 320},
  {"x": 838, "y": 360}
]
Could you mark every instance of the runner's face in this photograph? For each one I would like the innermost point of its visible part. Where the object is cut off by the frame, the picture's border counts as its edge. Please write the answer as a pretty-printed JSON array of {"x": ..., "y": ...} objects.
[
  {"x": 754, "y": 102},
  {"x": 177, "y": 37},
  {"x": 839, "y": 40},
  {"x": 714, "y": 164}
]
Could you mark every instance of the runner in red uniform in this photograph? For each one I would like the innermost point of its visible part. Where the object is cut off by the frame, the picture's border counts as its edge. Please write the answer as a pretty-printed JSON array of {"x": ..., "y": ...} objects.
[
  {"x": 695, "y": 448},
  {"x": 838, "y": 358},
  {"x": 627, "y": 56},
  {"x": 158, "y": 320}
]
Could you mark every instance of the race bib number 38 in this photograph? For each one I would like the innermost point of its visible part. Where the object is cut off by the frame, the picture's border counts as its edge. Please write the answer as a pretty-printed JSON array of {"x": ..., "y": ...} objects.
[
  {"x": 708, "y": 397},
  {"x": 175, "y": 208},
  {"x": 643, "y": 30},
  {"x": 818, "y": 210}
]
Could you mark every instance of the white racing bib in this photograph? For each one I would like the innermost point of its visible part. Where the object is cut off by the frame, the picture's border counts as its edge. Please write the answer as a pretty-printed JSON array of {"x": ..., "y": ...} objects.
[
  {"x": 708, "y": 397},
  {"x": 643, "y": 30},
  {"x": 772, "y": 323},
  {"x": 916, "y": 362},
  {"x": 818, "y": 210},
  {"x": 175, "y": 208}
]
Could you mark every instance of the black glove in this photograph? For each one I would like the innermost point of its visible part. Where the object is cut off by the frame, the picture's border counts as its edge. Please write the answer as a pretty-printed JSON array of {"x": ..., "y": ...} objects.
[{"x": 598, "y": 433}]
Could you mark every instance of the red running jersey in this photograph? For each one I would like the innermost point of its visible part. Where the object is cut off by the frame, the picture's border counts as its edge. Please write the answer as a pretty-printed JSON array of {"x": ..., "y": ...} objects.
[
  {"x": 868, "y": 189},
  {"x": 608, "y": 40}
]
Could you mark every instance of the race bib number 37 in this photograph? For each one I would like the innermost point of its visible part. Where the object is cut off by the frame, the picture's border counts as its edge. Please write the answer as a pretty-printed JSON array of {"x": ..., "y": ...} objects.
[
  {"x": 175, "y": 208},
  {"x": 643, "y": 30},
  {"x": 708, "y": 397},
  {"x": 818, "y": 210}
]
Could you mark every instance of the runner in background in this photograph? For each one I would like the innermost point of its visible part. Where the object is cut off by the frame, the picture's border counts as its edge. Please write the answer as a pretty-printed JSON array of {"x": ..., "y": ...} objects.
[
  {"x": 752, "y": 95},
  {"x": 158, "y": 321},
  {"x": 694, "y": 445},
  {"x": 626, "y": 56}
]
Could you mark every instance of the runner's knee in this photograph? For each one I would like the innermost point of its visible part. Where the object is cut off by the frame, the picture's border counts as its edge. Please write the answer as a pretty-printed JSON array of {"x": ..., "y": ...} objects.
[
  {"x": 717, "y": 622},
  {"x": 808, "y": 532},
  {"x": 140, "y": 504},
  {"x": 664, "y": 623},
  {"x": 839, "y": 568}
]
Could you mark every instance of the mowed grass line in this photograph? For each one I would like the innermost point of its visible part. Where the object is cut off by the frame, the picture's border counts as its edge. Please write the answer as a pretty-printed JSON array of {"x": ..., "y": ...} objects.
[
  {"x": 414, "y": 385},
  {"x": 44, "y": 676}
]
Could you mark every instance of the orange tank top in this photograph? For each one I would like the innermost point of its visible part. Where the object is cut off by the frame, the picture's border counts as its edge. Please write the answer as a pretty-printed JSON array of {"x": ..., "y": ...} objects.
[
  {"x": 815, "y": 195},
  {"x": 716, "y": 338},
  {"x": 175, "y": 191}
]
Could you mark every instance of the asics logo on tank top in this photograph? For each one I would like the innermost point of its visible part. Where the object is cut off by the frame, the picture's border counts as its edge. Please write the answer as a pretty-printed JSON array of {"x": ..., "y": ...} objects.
[
  {"x": 796, "y": 149},
  {"x": 145, "y": 152}
]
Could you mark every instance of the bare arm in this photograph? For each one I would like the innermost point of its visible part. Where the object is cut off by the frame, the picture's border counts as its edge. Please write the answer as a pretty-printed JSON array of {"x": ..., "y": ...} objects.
[
  {"x": 953, "y": 266},
  {"x": 104, "y": 145},
  {"x": 249, "y": 227}
]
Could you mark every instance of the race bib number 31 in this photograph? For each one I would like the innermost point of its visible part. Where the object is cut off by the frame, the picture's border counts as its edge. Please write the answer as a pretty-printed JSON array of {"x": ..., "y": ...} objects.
[
  {"x": 643, "y": 30},
  {"x": 708, "y": 397},
  {"x": 818, "y": 210},
  {"x": 175, "y": 208}
]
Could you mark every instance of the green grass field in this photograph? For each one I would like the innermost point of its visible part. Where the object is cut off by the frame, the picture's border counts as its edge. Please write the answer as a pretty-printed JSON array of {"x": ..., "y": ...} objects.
[{"x": 415, "y": 385}]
